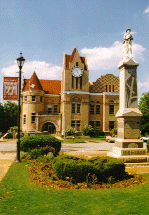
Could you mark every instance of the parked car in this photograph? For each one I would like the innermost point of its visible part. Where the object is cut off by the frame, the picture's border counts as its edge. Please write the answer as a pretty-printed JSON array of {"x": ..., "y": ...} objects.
[
  {"x": 110, "y": 139},
  {"x": 145, "y": 139}
]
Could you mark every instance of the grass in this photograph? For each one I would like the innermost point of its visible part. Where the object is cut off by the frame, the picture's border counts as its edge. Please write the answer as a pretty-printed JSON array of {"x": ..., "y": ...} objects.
[
  {"x": 20, "y": 196},
  {"x": 83, "y": 139}
]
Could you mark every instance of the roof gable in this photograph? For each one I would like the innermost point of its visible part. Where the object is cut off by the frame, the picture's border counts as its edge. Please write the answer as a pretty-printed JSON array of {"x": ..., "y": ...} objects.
[{"x": 70, "y": 58}]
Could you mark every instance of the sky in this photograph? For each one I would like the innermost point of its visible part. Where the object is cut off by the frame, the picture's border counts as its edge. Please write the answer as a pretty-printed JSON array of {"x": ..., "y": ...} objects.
[{"x": 44, "y": 30}]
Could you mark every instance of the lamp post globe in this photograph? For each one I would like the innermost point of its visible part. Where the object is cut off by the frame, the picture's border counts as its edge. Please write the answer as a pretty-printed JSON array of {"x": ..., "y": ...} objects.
[{"x": 20, "y": 61}]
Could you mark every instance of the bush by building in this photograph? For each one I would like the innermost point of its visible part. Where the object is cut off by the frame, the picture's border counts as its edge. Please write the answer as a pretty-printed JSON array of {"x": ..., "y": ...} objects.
[
  {"x": 88, "y": 131},
  {"x": 70, "y": 131},
  {"x": 32, "y": 142}
]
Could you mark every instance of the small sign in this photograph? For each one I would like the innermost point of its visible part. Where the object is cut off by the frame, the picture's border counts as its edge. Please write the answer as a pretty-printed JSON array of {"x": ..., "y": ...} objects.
[{"x": 10, "y": 88}]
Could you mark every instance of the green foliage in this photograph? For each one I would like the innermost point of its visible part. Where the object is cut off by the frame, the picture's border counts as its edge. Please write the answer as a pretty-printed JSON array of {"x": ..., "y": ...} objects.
[
  {"x": 144, "y": 108},
  {"x": 113, "y": 132},
  {"x": 14, "y": 128},
  {"x": 99, "y": 134},
  {"x": 31, "y": 142},
  {"x": 88, "y": 131},
  {"x": 148, "y": 145},
  {"x": 20, "y": 196},
  {"x": 70, "y": 131},
  {"x": 2, "y": 117},
  {"x": 92, "y": 170},
  {"x": 37, "y": 152}
]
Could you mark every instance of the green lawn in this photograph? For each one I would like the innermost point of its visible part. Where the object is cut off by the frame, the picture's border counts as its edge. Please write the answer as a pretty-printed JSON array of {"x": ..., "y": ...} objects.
[
  {"x": 20, "y": 196},
  {"x": 83, "y": 140}
]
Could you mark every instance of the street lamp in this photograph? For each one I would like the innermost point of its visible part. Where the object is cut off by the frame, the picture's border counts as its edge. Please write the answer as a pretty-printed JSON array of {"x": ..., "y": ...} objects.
[{"x": 20, "y": 61}]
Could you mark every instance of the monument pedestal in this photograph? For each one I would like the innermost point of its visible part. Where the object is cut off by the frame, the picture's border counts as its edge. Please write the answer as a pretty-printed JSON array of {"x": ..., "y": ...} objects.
[{"x": 129, "y": 155}]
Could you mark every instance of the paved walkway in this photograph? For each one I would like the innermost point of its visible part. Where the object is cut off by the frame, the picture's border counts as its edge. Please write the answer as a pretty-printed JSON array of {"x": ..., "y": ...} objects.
[{"x": 8, "y": 154}]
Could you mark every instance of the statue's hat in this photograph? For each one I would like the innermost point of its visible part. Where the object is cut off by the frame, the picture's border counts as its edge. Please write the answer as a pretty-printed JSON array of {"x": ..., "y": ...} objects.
[{"x": 128, "y": 30}]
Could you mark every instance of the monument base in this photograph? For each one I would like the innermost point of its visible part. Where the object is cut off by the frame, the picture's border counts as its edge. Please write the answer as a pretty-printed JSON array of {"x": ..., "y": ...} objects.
[
  {"x": 129, "y": 143},
  {"x": 129, "y": 155}
]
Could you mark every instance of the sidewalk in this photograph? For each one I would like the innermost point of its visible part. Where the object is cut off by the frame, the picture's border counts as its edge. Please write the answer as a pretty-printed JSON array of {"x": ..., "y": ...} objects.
[
  {"x": 6, "y": 160},
  {"x": 86, "y": 150}
]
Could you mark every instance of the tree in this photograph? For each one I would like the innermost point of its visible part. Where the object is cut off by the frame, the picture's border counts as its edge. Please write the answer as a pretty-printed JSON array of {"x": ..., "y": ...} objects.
[
  {"x": 144, "y": 108},
  {"x": 2, "y": 118},
  {"x": 10, "y": 115}
]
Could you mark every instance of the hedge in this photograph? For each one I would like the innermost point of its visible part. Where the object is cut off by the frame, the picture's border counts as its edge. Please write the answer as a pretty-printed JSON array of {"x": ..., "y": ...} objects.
[
  {"x": 79, "y": 169},
  {"x": 148, "y": 145},
  {"x": 32, "y": 142}
]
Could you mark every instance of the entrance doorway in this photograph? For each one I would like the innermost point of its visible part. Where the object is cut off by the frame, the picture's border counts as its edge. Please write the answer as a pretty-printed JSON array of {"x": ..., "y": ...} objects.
[{"x": 50, "y": 127}]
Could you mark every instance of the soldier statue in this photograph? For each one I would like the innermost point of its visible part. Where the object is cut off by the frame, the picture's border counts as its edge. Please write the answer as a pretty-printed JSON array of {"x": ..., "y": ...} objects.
[{"x": 128, "y": 44}]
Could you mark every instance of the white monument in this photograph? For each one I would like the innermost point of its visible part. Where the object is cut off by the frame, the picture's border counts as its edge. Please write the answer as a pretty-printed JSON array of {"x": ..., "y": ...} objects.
[{"x": 128, "y": 145}]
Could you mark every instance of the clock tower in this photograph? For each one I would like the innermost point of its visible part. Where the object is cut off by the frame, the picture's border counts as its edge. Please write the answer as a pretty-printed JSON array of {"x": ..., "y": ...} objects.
[{"x": 74, "y": 91}]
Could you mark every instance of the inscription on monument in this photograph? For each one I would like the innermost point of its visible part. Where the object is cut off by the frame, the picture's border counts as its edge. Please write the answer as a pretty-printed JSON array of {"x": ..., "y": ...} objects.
[
  {"x": 133, "y": 145},
  {"x": 133, "y": 152}
]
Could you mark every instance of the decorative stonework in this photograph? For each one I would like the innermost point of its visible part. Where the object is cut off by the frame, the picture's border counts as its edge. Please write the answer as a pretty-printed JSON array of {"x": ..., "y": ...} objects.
[
  {"x": 100, "y": 85},
  {"x": 133, "y": 145}
]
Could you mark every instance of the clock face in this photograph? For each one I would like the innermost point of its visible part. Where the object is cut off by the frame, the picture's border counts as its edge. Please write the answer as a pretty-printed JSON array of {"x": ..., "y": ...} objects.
[{"x": 77, "y": 71}]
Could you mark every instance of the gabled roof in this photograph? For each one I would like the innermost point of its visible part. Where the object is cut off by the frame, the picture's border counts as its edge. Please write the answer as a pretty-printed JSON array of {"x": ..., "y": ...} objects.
[{"x": 69, "y": 58}]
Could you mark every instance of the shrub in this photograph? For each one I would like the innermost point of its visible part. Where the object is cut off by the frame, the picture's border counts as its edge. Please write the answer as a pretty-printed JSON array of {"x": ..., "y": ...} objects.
[
  {"x": 37, "y": 152},
  {"x": 92, "y": 170},
  {"x": 70, "y": 131},
  {"x": 99, "y": 133},
  {"x": 147, "y": 145},
  {"x": 88, "y": 131},
  {"x": 32, "y": 142},
  {"x": 113, "y": 132}
]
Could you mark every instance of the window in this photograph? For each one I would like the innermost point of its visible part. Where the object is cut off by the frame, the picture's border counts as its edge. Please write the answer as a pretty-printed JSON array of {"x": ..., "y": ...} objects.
[
  {"x": 55, "y": 109},
  {"x": 33, "y": 98},
  {"x": 113, "y": 88},
  {"x": 25, "y": 98},
  {"x": 72, "y": 81},
  {"x": 50, "y": 109},
  {"x": 33, "y": 117},
  {"x": 106, "y": 88},
  {"x": 78, "y": 125},
  {"x": 111, "y": 125},
  {"x": 78, "y": 108},
  {"x": 24, "y": 119},
  {"x": 73, "y": 107},
  {"x": 91, "y": 109},
  {"x": 40, "y": 98},
  {"x": 92, "y": 123},
  {"x": 81, "y": 82},
  {"x": 73, "y": 124},
  {"x": 76, "y": 63},
  {"x": 111, "y": 107},
  {"x": 109, "y": 88},
  {"x": 97, "y": 109},
  {"x": 76, "y": 83},
  {"x": 97, "y": 125}
]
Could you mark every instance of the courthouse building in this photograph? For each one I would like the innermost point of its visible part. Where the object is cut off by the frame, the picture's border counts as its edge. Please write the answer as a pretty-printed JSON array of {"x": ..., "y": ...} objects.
[{"x": 54, "y": 105}]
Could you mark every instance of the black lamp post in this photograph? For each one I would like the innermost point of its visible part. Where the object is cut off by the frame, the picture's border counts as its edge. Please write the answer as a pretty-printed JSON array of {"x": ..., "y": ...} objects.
[{"x": 20, "y": 61}]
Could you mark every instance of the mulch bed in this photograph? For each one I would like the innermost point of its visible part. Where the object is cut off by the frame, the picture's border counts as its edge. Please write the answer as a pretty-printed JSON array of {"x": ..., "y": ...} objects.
[{"x": 41, "y": 174}]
